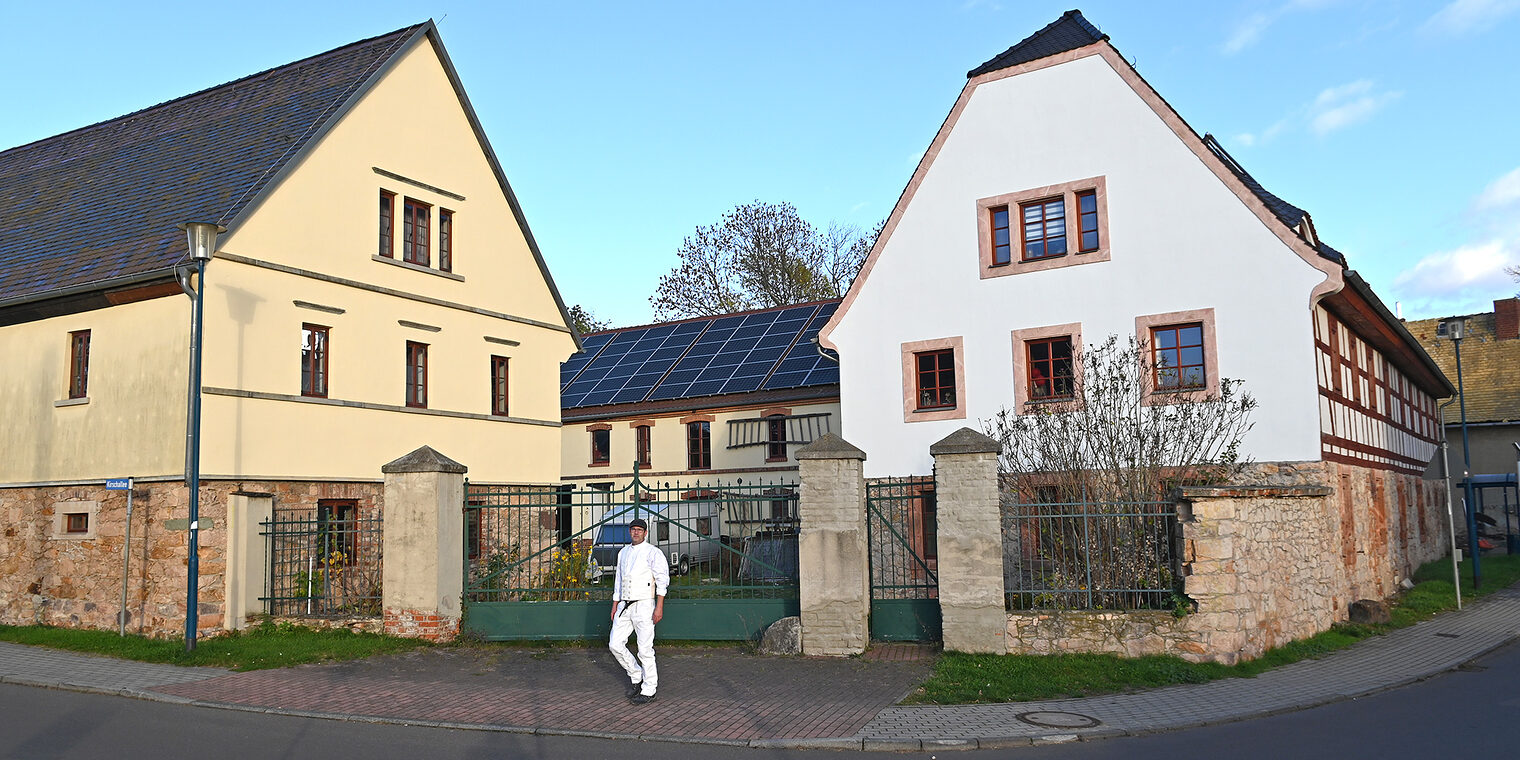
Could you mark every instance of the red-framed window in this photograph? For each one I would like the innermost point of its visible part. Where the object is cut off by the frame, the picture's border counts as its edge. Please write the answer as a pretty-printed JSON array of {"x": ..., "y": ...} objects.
[
  {"x": 1043, "y": 228},
  {"x": 387, "y": 224},
  {"x": 1087, "y": 221},
  {"x": 935, "y": 371},
  {"x": 416, "y": 374},
  {"x": 698, "y": 446},
  {"x": 79, "y": 364},
  {"x": 601, "y": 446},
  {"x": 1177, "y": 357},
  {"x": 445, "y": 240},
  {"x": 775, "y": 445},
  {"x": 1002, "y": 246},
  {"x": 337, "y": 531},
  {"x": 415, "y": 221},
  {"x": 1050, "y": 369},
  {"x": 314, "y": 360},
  {"x": 641, "y": 445},
  {"x": 76, "y": 522},
  {"x": 499, "y": 385}
]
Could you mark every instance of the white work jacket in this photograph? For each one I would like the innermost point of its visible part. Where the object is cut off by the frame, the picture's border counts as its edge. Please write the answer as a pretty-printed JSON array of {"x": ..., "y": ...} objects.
[{"x": 642, "y": 573}]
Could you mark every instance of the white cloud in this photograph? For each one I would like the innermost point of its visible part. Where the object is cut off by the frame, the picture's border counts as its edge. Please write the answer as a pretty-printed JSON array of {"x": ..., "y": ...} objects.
[
  {"x": 1340, "y": 107},
  {"x": 1462, "y": 16},
  {"x": 1502, "y": 192},
  {"x": 1460, "y": 281},
  {"x": 1245, "y": 139},
  {"x": 1248, "y": 32}
]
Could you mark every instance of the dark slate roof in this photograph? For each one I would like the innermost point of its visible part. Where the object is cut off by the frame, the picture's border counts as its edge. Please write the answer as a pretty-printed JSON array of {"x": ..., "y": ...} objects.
[
  {"x": 100, "y": 204},
  {"x": 762, "y": 351},
  {"x": 1068, "y": 32},
  {"x": 1286, "y": 212}
]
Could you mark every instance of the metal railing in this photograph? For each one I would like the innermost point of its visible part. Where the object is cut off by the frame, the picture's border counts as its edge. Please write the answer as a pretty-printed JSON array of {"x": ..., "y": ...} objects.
[
  {"x": 902, "y": 536},
  {"x": 1091, "y": 555},
  {"x": 323, "y": 564},
  {"x": 556, "y": 543}
]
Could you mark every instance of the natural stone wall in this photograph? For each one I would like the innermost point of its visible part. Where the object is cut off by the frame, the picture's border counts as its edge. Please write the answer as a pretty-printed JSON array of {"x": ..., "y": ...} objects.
[
  {"x": 1268, "y": 563},
  {"x": 76, "y": 582}
]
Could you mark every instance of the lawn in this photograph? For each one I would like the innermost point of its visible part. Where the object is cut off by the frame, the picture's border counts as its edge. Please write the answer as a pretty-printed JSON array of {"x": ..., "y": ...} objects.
[
  {"x": 966, "y": 678},
  {"x": 257, "y": 648}
]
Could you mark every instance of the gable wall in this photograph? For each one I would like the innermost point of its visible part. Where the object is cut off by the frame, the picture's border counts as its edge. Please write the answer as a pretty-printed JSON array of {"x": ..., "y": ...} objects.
[
  {"x": 1179, "y": 239},
  {"x": 322, "y": 219}
]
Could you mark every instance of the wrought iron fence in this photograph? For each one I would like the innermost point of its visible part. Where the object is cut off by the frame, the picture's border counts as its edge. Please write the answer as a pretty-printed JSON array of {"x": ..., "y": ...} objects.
[
  {"x": 1091, "y": 555},
  {"x": 902, "y": 529},
  {"x": 558, "y": 543},
  {"x": 324, "y": 562}
]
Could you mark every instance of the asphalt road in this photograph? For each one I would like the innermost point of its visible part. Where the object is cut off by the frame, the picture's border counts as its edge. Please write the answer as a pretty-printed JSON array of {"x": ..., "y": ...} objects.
[{"x": 1472, "y": 712}]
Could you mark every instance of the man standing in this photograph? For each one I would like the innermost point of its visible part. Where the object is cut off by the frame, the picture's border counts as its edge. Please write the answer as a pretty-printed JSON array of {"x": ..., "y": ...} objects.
[{"x": 638, "y": 602}]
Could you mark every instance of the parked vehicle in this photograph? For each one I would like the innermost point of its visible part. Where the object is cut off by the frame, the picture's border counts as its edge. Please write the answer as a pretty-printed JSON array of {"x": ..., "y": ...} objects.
[{"x": 689, "y": 532}]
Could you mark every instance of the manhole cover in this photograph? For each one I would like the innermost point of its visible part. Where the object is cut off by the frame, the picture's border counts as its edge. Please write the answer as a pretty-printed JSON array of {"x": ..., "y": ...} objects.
[{"x": 1056, "y": 719}]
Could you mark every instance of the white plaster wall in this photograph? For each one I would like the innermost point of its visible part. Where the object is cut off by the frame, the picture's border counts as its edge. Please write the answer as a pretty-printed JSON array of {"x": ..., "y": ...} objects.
[{"x": 1180, "y": 239}]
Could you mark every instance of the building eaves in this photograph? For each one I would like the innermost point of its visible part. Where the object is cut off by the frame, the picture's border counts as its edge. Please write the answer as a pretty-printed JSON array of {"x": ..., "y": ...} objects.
[{"x": 1069, "y": 32}]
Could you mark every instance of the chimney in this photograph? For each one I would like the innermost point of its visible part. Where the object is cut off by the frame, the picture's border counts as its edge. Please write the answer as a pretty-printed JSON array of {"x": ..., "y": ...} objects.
[{"x": 1507, "y": 318}]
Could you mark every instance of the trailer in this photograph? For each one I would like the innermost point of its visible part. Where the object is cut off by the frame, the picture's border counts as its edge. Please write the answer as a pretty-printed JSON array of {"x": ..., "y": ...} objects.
[{"x": 689, "y": 532}]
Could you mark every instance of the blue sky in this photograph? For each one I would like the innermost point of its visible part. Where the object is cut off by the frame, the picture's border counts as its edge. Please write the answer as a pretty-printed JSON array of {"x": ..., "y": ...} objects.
[{"x": 622, "y": 126}]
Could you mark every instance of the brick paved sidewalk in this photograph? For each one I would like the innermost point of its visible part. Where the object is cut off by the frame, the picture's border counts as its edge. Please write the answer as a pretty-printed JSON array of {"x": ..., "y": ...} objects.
[
  {"x": 722, "y": 694},
  {"x": 714, "y": 693}
]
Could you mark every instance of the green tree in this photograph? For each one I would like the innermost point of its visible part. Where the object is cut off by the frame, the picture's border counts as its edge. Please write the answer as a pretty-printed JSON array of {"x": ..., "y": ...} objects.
[
  {"x": 760, "y": 255},
  {"x": 584, "y": 321}
]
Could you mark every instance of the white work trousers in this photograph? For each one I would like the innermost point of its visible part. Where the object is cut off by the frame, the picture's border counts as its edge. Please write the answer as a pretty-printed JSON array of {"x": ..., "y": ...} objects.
[{"x": 636, "y": 618}]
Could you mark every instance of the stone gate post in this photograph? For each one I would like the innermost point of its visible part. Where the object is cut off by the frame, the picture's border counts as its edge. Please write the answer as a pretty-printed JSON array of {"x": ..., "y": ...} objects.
[
  {"x": 835, "y": 578},
  {"x": 970, "y": 543},
  {"x": 423, "y": 549}
]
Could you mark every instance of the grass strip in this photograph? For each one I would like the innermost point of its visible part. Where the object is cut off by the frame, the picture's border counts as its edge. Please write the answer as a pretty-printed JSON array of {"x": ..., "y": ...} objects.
[
  {"x": 972, "y": 678},
  {"x": 264, "y": 646}
]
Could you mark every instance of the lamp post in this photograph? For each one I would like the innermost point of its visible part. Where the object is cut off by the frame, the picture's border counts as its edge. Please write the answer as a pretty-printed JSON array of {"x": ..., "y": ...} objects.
[
  {"x": 202, "y": 242},
  {"x": 1456, "y": 327}
]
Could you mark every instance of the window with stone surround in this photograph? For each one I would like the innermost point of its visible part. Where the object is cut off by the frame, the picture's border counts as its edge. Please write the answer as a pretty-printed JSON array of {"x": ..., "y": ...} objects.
[
  {"x": 1058, "y": 225},
  {"x": 75, "y": 520}
]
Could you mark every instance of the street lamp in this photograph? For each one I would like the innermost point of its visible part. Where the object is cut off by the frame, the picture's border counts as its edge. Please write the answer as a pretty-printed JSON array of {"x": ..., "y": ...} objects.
[
  {"x": 1454, "y": 329},
  {"x": 201, "y": 237}
]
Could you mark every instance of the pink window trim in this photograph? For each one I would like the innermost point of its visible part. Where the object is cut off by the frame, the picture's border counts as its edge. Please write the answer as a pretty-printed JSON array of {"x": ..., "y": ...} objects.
[
  {"x": 1205, "y": 317},
  {"x": 910, "y": 380},
  {"x": 1067, "y": 191},
  {"x": 1073, "y": 330}
]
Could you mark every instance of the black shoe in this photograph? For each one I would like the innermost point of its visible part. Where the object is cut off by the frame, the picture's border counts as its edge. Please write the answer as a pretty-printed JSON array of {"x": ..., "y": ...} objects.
[
  {"x": 641, "y": 699},
  {"x": 633, "y": 689}
]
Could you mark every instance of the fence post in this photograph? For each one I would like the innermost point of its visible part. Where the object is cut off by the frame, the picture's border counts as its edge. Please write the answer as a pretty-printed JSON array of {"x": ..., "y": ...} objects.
[
  {"x": 247, "y": 555},
  {"x": 423, "y": 545},
  {"x": 834, "y": 581},
  {"x": 970, "y": 543}
]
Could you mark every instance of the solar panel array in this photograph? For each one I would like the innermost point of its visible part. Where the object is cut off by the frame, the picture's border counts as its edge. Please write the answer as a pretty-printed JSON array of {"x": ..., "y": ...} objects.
[{"x": 737, "y": 353}]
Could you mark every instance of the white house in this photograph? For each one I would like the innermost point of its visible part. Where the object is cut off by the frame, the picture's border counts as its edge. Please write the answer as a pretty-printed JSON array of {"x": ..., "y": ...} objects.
[{"x": 1064, "y": 201}]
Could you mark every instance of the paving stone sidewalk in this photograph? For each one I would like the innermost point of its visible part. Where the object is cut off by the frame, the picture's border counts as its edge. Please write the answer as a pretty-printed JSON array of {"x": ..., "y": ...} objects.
[{"x": 727, "y": 696}]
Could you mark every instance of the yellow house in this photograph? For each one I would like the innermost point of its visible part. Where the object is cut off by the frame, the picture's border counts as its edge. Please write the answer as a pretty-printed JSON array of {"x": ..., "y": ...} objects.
[{"x": 377, "y": 290}]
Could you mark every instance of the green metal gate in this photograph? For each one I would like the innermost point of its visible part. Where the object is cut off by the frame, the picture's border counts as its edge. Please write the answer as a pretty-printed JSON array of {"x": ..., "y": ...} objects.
[
  {"x": 540, "y": 559},
  {"x": 901, "y": 532}
]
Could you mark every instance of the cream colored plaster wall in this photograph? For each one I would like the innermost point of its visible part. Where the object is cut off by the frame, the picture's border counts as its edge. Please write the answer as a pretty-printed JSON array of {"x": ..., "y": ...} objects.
[
  {"x": 668, "y": 445},
  {"x": 323, "y": 219},
  {"x": 134, "y": 421}
]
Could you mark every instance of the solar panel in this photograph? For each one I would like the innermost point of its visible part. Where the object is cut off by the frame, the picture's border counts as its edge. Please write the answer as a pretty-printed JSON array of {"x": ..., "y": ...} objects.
[{"x": 590, "y": 347}]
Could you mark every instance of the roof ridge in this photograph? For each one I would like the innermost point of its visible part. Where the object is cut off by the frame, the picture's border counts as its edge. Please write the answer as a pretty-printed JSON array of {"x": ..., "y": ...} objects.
[
  {"x": 1076, "y": 31},
  {"x": 403, "y": 32}
]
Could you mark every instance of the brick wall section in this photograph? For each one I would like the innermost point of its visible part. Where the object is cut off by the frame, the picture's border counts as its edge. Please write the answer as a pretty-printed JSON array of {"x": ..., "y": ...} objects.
[
  {"x": 1507, "y": 319},
  {"x": 421, "y": 624},
  {"x": 1267, "y": 564},
  {"x": 76, "y": 583}
]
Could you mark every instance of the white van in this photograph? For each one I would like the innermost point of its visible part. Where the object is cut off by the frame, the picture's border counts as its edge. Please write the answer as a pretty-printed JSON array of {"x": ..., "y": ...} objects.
[{"x": 689, "y": 532}]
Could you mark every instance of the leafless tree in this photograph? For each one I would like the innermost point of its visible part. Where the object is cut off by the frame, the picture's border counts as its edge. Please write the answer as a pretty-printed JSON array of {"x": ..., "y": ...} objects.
[{"x": 759, "y": 255}]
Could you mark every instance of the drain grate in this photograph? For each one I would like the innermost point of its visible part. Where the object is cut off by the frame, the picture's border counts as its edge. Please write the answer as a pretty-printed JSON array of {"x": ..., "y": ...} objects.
[{"x": 1057, "y": 719}]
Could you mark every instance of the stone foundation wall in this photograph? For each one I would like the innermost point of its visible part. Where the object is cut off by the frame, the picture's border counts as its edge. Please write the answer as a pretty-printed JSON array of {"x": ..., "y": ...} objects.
[
  {"x": 1268, "y": 563},
  {"x": 51, "y": 578}
]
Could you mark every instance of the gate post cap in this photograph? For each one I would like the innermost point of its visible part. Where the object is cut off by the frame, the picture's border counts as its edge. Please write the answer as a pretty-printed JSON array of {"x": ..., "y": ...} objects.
[
  {"x": 966, "y": 441},
  {"x": 830, "y": 446},
  {"x": 424, "y": 459}
]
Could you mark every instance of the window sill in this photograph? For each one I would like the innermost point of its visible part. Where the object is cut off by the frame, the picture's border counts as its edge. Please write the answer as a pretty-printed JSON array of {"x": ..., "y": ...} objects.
[
  {"x": 71, "y": 401},
  {"x": 772, "y": 460},
  {"x": 417, "y": 268},
  {"x": 599, "y": 464}
]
